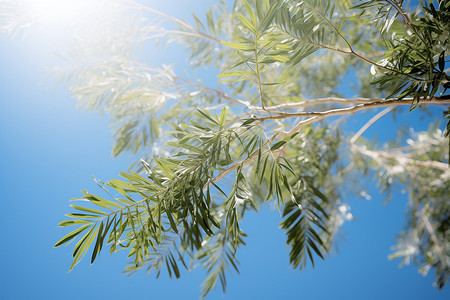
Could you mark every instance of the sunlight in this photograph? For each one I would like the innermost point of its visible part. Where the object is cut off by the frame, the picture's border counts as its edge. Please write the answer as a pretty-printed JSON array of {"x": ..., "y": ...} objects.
[{"x": 66, "y": 12}]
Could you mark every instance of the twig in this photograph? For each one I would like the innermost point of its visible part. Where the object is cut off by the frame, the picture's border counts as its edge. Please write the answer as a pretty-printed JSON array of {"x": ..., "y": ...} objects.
[
  {"x": 402, "y": 159},
  {"x": 217, "y": 92},
  {"x": 317, "y": 116},
  {"x": 250, "y": 158},
  {"x": 175, "y": 20},
  {"x": 370, "y": 123},
  {"x": 331, "y": 24},
  {"x": 356, "y": 108},
  {"x": 320, "y": 101},
  {"x": 434, "y": 239}
]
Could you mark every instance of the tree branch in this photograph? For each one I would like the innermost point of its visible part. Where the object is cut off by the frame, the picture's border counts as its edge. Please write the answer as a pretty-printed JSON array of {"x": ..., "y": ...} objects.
[
  {"x": 214, "y": 91},
  {"x": 317, "y": 116},
  {"x": 250, "y": 158},
  {"x": 356, "y": 108},
  {"x": 434, "y": 239},
  {"x": 319, "y": 101},
  {"x": 331, "y": 24},
  {"x": 402, "y": 159},
  {"x": 175, "y": 20},
  {"x": 370, "y": 123}
]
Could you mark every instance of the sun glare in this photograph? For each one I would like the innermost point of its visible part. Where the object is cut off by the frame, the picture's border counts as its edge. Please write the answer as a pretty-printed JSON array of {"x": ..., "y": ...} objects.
[{"x": 65, "y": 12}]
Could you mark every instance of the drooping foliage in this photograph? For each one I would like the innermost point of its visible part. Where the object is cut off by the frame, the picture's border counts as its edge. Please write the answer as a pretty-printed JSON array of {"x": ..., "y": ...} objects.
[{"x": 268, "y": 132}]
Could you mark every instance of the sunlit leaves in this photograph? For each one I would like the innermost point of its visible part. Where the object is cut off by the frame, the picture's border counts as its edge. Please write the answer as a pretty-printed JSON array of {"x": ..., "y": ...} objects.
[
  {"x": 413, "y": 62},
  {"x": 302, "y": 222},
  {"x": 260, "y": 48},
  {"x": 219, "y": 152}
]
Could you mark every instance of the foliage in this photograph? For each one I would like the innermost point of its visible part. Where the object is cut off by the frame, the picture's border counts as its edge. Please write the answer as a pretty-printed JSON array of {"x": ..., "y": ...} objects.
[{"x": 224, "y": 156}]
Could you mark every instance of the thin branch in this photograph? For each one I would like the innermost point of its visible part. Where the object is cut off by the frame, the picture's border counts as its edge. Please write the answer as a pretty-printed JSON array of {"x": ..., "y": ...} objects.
[
  {"x": 250, "y": 158},
  {"x": 398, "y": 7},
  {"x": 434, "y": 239},
  {"x": 331, "y": 24},
  {"x": 370, "y": 123},
  {"x": 300, "y": 125},
  {"x": 175, "y": 20},
  {"x": 214, "y": 91},
  {"x": 320, "y": 101},
  {"x": 317, "y": 116},
  {"x": 175, "y": 79},
  {"x": 258, "y": 74},
  {"x": 162, "y": 32},
  {"x": 356, "y": 108},
  {"x": 402, "y": 159},
  {"x": 350, "y": 50},
  {"x": 315, "y": 44}
]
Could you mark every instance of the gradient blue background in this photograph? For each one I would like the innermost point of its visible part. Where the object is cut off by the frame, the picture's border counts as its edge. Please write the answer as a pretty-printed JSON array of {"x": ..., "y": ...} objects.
[{"x": 49, "y": 151}]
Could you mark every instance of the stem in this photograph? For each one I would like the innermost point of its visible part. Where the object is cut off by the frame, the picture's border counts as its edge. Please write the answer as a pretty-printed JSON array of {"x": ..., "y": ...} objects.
[
  {"x": 319, "y": 101},
  {"x": 402, "y": 159},
  {"x": 370, "y": 123},
  {"x": 331, "y": 24},
  {"x": 398, "y": 7},
  {"x": 434, "y": 239},
  {"x": 233, "y": 167},
  {"x": 317, "y": 116},
  {"x": 217, "y": 92},
  {"x": 175, "y": 20},
  {"x": 356, "y": 108},
  {"x": 258, "y": 75}
]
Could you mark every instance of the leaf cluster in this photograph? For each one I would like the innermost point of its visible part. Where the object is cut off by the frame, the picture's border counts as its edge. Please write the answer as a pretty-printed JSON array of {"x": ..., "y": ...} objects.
[{"x": 185, "y": 208}]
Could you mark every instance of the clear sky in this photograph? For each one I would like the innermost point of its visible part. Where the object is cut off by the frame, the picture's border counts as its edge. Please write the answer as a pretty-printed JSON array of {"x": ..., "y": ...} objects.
[{"x": 49, "y": 150}]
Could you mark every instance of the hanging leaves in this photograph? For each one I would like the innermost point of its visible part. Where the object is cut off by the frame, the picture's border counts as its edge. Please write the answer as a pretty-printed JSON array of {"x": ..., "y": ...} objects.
[{"x": 222, "y": 154}]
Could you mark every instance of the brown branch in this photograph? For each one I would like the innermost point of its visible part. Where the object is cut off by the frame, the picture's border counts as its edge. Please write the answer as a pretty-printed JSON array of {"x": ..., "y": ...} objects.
[
  {"x": 319, "y": 101},
  {"x": 317, "y": 116},
  {"x": 356, "y": 108}
]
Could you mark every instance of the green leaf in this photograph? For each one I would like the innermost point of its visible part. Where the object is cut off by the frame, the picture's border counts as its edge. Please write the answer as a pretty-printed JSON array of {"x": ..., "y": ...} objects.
[
  {"x": 172, "y": 221},
  {"x": 89, "y": 210},
  {"x": 81, "y": 241},
  {"x": 442, "y": 61},
  {"x": 83, "y": 248},
  {"x": 73, "y": 222},
  {"x": 162, "y": 165},
  {"x": 235, "y": 73},
  {"x": 77, "y": 215},
  {"x": 98, "y": 243},
  {"x": 277, "y": 145},
  {"x": 246, "y": 22},
  {"x": 71, "y": 235},
  {"x": 223, "y": 117},
  {"x": 210, "y": 20},
  {"x": 243, "y": 47},
  {"x": 99, "y": 200},
  {"x": 208, "y": 116},
  {"x": 250, "y": 13},
  {"x": 248, "y": 122}
]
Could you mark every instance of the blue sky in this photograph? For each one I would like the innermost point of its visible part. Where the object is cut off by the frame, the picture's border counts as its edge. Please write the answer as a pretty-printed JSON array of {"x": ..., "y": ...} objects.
[{"x": 49, "y": 152}]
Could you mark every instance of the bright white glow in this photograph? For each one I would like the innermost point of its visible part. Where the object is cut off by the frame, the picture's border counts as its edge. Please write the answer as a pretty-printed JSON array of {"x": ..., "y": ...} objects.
[{"x": 65, "y": 12}]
